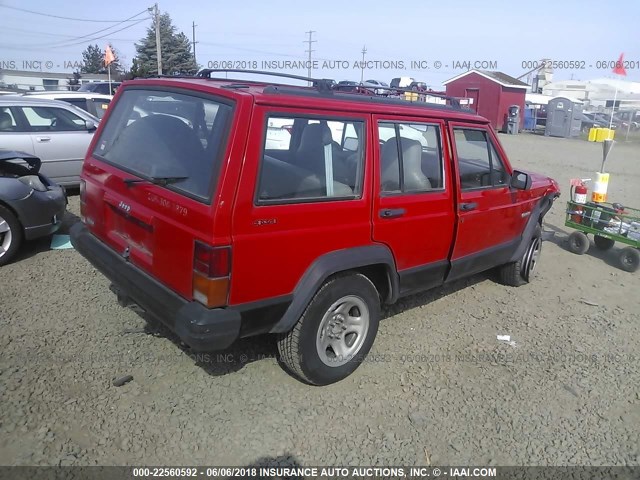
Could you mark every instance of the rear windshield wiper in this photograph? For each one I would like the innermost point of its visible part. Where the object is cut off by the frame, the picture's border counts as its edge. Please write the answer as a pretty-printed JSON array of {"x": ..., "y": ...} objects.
[{"x": 154, "y": 180}]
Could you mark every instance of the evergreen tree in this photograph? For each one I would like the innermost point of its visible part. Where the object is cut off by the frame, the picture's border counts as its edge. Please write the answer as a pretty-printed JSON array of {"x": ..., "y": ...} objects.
[
  {"x": 93, "y": 61},
  {"x": 177, "y": 56}
]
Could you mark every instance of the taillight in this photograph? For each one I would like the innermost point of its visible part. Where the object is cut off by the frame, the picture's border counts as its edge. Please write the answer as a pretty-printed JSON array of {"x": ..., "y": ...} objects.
[
  {"x": 83, "y": 192},
  {"x": 211, "y": 271}
]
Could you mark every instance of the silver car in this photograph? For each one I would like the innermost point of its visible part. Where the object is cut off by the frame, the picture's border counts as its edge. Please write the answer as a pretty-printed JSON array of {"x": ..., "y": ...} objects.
[
  {"x": 94, "y": 103},
  {"x": 56, "y": 132}
]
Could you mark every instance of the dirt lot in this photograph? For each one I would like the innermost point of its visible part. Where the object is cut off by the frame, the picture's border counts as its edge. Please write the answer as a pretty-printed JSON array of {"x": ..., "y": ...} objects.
[{"x": 437, "y": 388}]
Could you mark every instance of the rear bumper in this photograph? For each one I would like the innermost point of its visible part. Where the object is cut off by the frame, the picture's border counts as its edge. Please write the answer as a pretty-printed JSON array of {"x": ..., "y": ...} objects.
[{"x": 201, "y": 328}]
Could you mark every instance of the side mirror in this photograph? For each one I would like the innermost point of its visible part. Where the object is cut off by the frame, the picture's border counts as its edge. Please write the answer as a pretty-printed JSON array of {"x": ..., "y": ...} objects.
[
  {"x": 520, "y": 180},
  {"x": 90, "y": 126}
]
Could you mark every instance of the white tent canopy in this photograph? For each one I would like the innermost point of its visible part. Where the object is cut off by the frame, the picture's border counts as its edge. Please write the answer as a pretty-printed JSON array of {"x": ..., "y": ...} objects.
[{"x": 539, "y": 99}]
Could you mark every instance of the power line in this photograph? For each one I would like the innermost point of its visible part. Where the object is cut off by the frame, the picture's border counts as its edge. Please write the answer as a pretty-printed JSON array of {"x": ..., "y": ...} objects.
[
  {"x": 65, "y": 18},
  {"x": 81, "y": 42},
  {"x": 68, "y": 38},
  {"x": 85, "y": 38}
]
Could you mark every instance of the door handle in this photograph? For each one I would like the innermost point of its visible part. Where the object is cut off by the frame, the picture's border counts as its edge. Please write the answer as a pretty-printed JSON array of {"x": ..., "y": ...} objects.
[
  {"x": 468, "y": 206},
  {"x": 43, "y": 139},
  {"x": 392, "y": 212}
]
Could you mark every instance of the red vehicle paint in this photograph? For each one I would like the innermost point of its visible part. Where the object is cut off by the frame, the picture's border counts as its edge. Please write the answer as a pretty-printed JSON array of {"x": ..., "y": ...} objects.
[{"x": 201, "y": 218}]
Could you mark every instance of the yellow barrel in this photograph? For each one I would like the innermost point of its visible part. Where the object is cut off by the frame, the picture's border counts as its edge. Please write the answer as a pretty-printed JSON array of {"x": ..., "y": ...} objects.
[
  {"x": 600, "y": 186},
  {"x": 593, "y": 131},
  {"x": 610, "y": 134}
]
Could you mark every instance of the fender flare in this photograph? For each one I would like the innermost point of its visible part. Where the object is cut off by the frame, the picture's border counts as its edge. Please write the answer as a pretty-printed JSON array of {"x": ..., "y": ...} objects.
[
  {"x": 537, "y": 214},
  {"x": 330, "y": 264}
]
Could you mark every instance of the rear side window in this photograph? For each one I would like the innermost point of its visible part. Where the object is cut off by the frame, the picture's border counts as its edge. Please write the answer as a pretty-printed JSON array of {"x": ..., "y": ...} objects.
[
  {"x": 479, "y": 164},
  {"x": 311, "y": 159},
  {"x": 168, "y": 136},
  {"x": 410, "y": 157}
]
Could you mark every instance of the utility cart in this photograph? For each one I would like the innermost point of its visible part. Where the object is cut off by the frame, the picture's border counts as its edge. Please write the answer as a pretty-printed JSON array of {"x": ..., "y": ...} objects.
[{"x": 608, "y": 223}]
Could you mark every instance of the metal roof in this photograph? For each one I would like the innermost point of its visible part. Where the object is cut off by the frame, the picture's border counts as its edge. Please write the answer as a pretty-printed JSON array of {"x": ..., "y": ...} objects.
[{"x": 498, "y": 77}]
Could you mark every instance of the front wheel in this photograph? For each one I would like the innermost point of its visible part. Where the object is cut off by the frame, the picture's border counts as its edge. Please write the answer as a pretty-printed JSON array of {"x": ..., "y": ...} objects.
[
  {"x": 629, "y": 259},
  {"x": 521, "y": 272},
  {"x": 335, "y": 332},
  {"x": 10, "y": 235}
]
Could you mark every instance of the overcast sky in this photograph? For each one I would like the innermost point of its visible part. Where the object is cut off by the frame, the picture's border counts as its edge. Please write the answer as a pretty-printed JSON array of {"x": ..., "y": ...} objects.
[{"x": 511, "y": 34}]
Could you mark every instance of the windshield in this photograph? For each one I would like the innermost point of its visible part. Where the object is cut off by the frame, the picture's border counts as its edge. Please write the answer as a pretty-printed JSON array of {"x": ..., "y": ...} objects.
[{"x": 154, "y": 134}]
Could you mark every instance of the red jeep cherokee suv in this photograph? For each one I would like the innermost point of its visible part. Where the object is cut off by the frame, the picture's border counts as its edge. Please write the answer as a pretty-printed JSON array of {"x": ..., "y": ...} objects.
[{"x": 199, "y": 217}]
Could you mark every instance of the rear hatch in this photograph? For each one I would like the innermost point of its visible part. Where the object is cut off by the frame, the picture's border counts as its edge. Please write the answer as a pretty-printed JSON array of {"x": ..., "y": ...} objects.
[{"x": 149, "y": 181}]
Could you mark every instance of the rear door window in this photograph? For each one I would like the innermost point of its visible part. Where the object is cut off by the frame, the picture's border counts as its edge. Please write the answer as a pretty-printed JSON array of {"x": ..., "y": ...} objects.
[
  {"x": 410, "y": 157},
  {"x": 173, "y": 137},
  {"x": 311, "y": 159}
]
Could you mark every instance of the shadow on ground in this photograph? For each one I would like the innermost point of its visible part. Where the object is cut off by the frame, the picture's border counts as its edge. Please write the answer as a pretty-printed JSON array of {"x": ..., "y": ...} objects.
[
  {"x": 273, "y": 468},
  {"x": 32, "y": 248},
  {"x": 263, "y": 347},
  {"x": 560, "y": 238}
]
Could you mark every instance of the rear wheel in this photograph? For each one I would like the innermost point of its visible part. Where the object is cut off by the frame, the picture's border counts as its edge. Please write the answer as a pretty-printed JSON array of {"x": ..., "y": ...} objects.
[
  {"x": 629, "y": 259},
  {"x": 522, "y": 271},
  {"x": 335, "y": 332},
  {"x": 603, "y": 243},
  {"x": 10, "y": 235},
  {"x": 578, "y": 243}
]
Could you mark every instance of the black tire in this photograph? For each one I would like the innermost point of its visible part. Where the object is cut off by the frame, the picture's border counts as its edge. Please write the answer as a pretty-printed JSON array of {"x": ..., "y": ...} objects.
[
  {"x": 10, "y": 235},
  {"x": 629, "y": 259},
  {"x": 603, "y": 243},
  {"x": 521, "y": 272},
  {"x": 578, "y": 243},
  {"x": 299, "y": 349}
]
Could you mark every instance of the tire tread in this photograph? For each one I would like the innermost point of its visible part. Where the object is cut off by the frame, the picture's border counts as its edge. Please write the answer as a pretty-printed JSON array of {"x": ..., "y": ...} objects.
[{"x": 289, "y": 343}]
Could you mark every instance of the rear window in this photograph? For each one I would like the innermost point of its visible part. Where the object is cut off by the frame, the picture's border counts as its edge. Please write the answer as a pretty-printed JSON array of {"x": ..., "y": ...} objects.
[{"x": 167, "y": 136}]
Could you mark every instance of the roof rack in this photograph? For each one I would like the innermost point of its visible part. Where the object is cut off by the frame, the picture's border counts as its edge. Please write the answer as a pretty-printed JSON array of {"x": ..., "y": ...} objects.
[{"x": 322, "y": 84}]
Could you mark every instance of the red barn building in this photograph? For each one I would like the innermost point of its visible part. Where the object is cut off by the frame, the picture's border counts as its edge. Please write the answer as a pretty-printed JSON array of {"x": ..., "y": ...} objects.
[{"x": 491, "y": 94}]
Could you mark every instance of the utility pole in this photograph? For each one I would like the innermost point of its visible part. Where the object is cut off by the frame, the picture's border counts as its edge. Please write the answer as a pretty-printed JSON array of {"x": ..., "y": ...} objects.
[
  {"x": 364, "y": 51},
  {"x": 156, "y": 12},
  {"x": 194, "y": 42},
  {"x": 309, "y": 50}
]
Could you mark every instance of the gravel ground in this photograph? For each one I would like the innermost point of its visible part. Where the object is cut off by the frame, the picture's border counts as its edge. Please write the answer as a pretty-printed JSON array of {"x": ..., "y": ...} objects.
[{"x": 438, "y": 388}]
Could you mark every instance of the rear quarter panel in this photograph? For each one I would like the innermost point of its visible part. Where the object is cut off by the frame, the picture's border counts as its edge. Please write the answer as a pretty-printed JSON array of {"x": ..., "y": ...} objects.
[{"x": 273, "y": 245}]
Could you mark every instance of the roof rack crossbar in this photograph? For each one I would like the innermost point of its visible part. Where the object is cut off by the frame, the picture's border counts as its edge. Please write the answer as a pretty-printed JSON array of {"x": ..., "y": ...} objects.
[
  {"x": 323, "y": 84},
  {"x": 454, "y": 101}
]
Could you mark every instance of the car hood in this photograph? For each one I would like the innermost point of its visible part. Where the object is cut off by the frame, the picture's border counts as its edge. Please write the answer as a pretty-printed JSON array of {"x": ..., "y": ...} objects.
[{"x": 33, "y": 162}]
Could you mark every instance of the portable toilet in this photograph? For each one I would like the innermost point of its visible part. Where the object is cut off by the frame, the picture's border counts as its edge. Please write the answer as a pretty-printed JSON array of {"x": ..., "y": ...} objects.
[{"x": 564, "y": 118}]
